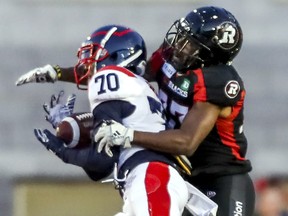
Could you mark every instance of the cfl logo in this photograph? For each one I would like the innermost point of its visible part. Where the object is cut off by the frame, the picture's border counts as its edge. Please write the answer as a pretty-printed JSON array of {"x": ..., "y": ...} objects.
[{"x": 232, "y": 89}]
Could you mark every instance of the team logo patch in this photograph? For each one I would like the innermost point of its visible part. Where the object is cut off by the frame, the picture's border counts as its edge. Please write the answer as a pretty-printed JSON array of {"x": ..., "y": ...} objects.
[
  {"x": 227, "y": 35},
  {"x": 185, "y": 85},
  {"x": 232, "y": 89}
]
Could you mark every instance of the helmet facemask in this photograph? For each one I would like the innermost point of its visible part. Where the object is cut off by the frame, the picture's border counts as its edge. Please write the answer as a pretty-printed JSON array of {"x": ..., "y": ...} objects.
[
  {"x": 181, "y": 49},
  {"x": 89, "y": 56}
]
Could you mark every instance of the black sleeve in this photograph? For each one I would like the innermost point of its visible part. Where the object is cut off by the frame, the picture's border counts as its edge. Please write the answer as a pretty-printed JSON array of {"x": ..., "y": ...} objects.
[
  {"x": 223, "y": 85},
  {"x": 96, "y": 165}
]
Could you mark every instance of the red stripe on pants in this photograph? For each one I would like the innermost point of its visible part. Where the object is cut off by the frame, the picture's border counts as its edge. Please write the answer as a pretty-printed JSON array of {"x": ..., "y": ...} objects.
[{"x": 156, "y": 181}]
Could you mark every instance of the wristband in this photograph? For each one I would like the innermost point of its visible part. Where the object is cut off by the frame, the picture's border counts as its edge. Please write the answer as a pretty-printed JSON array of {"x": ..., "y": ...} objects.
[{"x": 58, "y": 71}]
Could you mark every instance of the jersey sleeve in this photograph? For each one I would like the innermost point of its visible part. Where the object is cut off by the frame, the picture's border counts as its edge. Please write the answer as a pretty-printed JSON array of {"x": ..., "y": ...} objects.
[
  {"x": 96, "y": 165},
  {"x": 219, "y": 85}
]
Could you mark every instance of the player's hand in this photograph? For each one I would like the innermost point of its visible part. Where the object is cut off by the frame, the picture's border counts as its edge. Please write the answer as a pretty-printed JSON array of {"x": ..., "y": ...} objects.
[
  {"x": 112, "y": 133},
  {"x": 56, "y": 111},
  {"x": 50, "y": 141},
  {"x": 38, "y": 75}
]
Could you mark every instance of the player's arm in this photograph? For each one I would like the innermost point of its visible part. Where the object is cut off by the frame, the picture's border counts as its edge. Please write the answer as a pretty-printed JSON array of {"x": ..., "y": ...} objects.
[
  {"x": 184, "y": 141},
  {"x": 96, "y": 165},
  {"x": 48, "y": 74},
  {"x": 66, "y": 74},
  {"x": 196, "y": 126}
]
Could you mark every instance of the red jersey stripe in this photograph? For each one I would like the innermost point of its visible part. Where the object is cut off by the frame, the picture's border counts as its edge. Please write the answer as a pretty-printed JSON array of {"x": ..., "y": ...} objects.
[
  {"x": 225, "y": 128},
  {"x": 200, "y": 88}
]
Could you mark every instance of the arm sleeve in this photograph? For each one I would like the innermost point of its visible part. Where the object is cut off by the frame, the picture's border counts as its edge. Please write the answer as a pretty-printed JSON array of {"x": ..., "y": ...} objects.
[{"x": 96, "y": 165}]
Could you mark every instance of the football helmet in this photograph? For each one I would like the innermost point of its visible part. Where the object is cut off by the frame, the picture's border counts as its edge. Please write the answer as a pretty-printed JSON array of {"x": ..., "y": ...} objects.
[
  {"x": 206, "y": 36},
  {"x": 110, "y": 45}
]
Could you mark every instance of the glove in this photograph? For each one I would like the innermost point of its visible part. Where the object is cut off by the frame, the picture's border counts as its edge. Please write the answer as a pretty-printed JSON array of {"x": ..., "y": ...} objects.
[
  {"x": 39, "y": 75},
  {"x": 57, "y": 111},
  {"x": 50, "y": 141},
  {"x": 112, "y": 133}
]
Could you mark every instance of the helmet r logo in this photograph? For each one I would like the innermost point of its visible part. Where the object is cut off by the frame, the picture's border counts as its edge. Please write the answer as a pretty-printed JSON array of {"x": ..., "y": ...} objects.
[
  {"x": 228, "y": 36},
  {"x": 232, "y": 89}
]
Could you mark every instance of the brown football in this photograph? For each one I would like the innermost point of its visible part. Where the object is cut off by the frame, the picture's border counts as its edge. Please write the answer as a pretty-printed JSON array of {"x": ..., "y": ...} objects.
[{"x": 75, "y": 130}]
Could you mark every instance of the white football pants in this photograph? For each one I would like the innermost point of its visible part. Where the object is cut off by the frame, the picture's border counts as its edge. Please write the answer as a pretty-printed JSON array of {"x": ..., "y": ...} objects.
[{"x": 154, "y": 189}]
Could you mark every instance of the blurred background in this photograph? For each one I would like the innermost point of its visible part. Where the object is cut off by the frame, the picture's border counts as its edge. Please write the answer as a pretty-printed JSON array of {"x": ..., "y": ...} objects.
[{"x": 37, "y": 32}]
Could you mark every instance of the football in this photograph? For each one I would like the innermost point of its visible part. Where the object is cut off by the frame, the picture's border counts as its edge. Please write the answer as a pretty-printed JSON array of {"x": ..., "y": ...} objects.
[{"x": 75, "y": 130}]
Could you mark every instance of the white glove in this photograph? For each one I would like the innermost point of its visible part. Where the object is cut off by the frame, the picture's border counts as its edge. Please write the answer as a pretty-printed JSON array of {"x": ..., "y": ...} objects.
[
  {"x": 39, "y": 75},
  {"x": 112, "y": 133},
  {"x": 56, "y": 110}
]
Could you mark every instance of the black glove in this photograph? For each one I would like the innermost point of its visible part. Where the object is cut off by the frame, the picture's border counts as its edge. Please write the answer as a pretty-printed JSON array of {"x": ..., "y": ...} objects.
[{"x": 50, "y": 141}]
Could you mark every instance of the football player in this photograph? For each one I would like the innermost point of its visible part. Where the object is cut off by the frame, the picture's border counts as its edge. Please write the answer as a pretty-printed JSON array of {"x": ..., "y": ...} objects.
[
  {"x": 203, "y": 96},
  {"x": 112, "y": 60}
]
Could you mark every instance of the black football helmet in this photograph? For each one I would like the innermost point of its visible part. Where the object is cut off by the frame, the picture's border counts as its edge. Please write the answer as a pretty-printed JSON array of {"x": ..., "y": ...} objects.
[
  {"x": 206, "y": 36},
  {"x": 110, "y": 45}
]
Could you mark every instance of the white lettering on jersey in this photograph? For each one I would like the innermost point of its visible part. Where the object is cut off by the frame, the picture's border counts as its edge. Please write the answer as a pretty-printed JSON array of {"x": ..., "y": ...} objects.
[{"x": 178, "y": 90}]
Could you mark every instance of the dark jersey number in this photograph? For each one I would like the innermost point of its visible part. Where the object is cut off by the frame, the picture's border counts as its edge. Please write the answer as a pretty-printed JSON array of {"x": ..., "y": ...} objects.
[
  {"x": 107, "y": 81},
  {"x": 175, "y": 112}
]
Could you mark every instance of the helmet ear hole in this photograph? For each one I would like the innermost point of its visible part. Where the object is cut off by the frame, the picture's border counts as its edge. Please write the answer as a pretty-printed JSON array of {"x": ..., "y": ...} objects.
[{"x": 113, "y": 57}]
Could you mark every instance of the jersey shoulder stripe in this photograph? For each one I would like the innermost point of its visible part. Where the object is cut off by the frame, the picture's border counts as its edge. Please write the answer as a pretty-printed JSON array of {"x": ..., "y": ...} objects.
[
  {"x": 200, "y": 87},
  {"x": 118, "y": 69}
]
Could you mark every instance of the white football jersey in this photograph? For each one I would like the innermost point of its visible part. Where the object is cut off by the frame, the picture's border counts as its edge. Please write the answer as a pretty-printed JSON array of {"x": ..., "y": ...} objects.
[{"x": 117, "y": 83}]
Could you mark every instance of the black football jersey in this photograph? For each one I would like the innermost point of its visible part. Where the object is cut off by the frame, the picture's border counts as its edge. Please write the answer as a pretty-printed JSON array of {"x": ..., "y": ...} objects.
[{"x": 223, "y": 150}]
